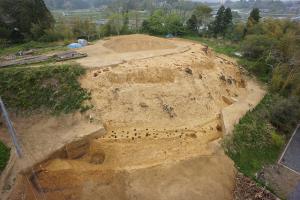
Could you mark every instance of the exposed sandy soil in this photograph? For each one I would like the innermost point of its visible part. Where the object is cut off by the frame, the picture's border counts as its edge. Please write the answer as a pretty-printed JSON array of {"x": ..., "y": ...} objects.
[
  {"x": 39, "y": 136},
  {"x": 117, "y": 50},
  {"x": 160, "y": 102},
  {"x": 124, "y": 44},
  {"x": 178, "y": 180}
]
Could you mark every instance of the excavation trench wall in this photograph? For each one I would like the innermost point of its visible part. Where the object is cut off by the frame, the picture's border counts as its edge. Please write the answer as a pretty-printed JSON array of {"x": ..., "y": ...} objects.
[
  {"x": 20, "y": 170},
  {"x": 231, "y": 115}
]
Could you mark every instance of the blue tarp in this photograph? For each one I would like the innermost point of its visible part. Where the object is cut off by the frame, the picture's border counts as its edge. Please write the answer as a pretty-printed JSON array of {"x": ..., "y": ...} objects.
[
  {"x": 170, "y": 35},
  {"x": 83, "y": 42},
  {"x": 74, "y": 45}
]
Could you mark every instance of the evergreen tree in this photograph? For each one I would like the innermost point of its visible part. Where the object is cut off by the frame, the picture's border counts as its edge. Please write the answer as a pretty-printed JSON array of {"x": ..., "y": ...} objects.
[
  {"x": 218, "y": 24},
  {"x": 25, "y": 16},
  {"x": 227, "y": 17},
  {"x": 255, "y": 15},
  {"x": 192, "y": 23},
  {"x": 253, "y": 19},
  {"x": 222, "y": 21}
]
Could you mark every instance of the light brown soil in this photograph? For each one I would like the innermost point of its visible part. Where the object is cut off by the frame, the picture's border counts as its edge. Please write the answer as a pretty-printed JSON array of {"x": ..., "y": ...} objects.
[
  {"x": 125, "y": 44},
  {"x": 122, "y": 49},
  {"x": 160, "y": 102}
]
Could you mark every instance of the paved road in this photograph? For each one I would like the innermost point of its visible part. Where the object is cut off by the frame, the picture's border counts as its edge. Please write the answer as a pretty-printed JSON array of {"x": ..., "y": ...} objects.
[
  {"x": 291, "y": 157},
  {"x": 296, "y": 194}
]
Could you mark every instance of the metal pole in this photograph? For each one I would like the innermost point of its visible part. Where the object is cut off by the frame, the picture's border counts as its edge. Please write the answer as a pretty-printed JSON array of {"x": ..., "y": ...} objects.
[{"x": 10, "y": 127}]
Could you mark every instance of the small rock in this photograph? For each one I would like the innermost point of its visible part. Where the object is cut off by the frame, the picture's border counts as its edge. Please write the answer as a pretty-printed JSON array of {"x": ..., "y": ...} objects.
[
  {"x": 97, "y": 158},
  {"x": 188, "y": 71},
  {"x": 143, "y": 105}
]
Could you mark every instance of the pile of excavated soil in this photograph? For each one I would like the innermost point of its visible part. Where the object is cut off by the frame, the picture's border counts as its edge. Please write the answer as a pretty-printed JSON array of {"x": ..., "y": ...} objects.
[
  {"x": 162, "y": 117},
  {"x": 137, "y": 43},
  {"x": 121, "y": 49}
]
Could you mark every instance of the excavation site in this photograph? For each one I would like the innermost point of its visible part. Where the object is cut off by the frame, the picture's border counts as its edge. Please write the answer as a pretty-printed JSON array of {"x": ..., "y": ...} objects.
[{"x": 160, "y": 109}]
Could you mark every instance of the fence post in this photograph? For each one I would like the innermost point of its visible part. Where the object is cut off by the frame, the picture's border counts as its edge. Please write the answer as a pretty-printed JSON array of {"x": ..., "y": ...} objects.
[{"x": 11, "y": 129}]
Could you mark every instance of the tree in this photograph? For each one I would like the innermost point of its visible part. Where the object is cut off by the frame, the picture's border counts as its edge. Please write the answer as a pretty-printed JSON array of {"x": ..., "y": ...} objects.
[
  {"x": 116, "y": 23},
  {"x": 156, "y": 23},
  {"x": 227, "y": 17},
  {"x": 237, "y": 33},
  {"x": 258, "y": 46},
  {"x": 22, "y": 15},
  {"x": 253, "y": 19},
  {"x": 173, "y": 24},
  {"x": 125, "y": 27},
  {"x": 222, "y": 22},
  {"x": 161, "y": 23},
  {"x": 84, "y": 29},
  {"x": 254, "y": 15},
  {"x": 200, "y": 18},
  {"x": 192, "y": 24}
]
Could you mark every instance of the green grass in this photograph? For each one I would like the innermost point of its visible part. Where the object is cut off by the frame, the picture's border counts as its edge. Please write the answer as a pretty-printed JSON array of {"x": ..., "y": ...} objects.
[
  {"x": 254, "y": 142},
  {"x": 41, "y": 47},
  {"x": 4, "y": 156},
  {"x": 219, "y": 46},
  {"x": 49, "y": 88}
]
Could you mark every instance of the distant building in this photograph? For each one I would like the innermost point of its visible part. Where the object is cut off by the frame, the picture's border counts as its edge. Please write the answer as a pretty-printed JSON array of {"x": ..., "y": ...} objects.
[{"x": 296, "y": 19}]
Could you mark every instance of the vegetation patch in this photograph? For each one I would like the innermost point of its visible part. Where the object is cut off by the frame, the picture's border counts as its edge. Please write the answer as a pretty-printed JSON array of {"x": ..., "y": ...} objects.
[
  {"x": 220, "y": 46},
  {"x": 39, "y": 47},
  {"x": 255, "y": 142},
  {"x": 53, "y": 88},
  {"x": 4, "y": 156}
]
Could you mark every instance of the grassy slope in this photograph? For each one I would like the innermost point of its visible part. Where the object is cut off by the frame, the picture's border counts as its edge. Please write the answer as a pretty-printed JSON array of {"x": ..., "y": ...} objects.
[
  {"x": 54, "y": 89},
  {"x": 4, "y": 156},
  {"x": 41, "y": 47},
  {"x": 219, "y": 46},
  {"x": 254, "y": 142},
  {"x": 51, "y": 88}
]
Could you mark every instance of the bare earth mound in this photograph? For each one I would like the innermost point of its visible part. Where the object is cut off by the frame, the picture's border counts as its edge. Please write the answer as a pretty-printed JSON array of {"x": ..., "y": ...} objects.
[
  {"x": 121, "y": 49},
  {"x": 132, "y": 43},
  {"x": 163, "y": 115}
]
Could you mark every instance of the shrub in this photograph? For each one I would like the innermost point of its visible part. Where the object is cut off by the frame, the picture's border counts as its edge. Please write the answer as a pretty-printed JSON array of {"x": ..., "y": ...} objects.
[
  {"x": 4, "y": 156},
  {"x": 51, "y": 35},
  {"x": 3, "y": 43},
  {"x": 285, "y": 114},
  {"x": 258, "y": 46},
  {"x": 37, "y": 31}
]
